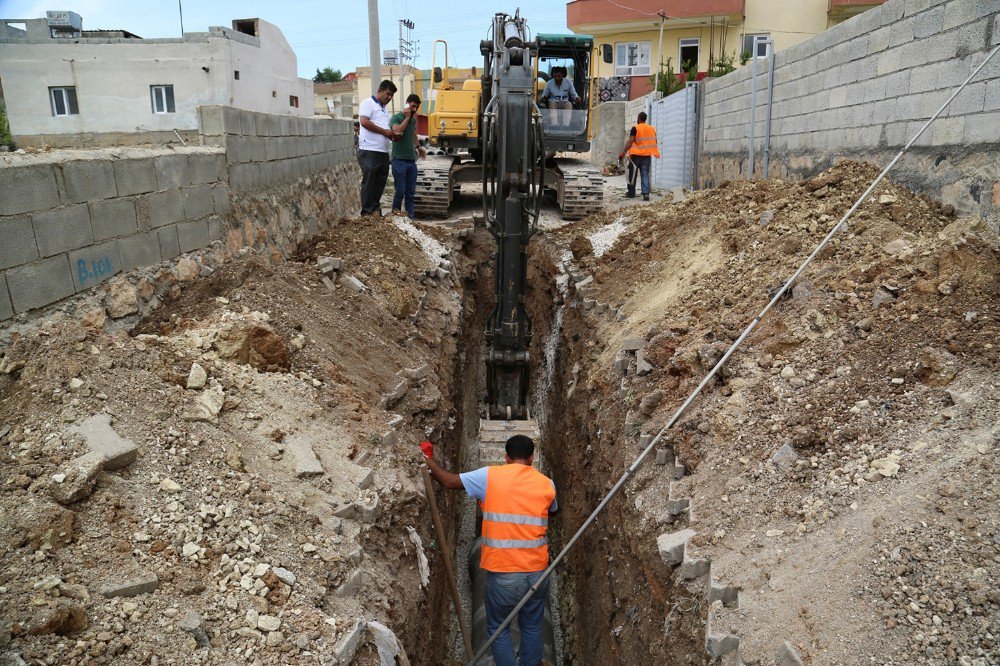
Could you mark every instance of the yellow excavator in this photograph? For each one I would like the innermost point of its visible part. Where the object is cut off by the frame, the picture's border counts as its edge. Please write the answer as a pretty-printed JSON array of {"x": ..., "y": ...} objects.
[{"x": 461, "y": 109}]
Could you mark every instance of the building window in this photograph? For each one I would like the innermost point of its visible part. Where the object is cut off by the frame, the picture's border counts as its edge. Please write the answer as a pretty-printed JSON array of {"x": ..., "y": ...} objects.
[
  {"x": 633, "y": 59},
  {"x": 236, "y": 74},
  {"x": 163, "y": 98},
  {"x": 293, "y": 101},
  {"x": 755, "y": 45},
  {"x": 689, "y": 52},
  {"x": 63, "y": 101},
  {"x": 274, "y": 93}
]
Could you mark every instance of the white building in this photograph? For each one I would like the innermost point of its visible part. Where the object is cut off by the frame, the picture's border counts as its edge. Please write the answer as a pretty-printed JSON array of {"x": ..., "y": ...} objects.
[{"x": 65, "y": 86}]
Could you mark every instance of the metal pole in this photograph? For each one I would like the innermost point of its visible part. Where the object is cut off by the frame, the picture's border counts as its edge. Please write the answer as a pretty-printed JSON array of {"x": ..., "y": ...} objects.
[
  {"x": 659, "y": 55},
  {"x": 180, "y": 10},
  {"x": 770, "y": 98},
  {"x": 446, "y": 556},
  {"x": 718, "y": 366},
  {"x": 753, "y": 108},
  {"x": 375, "y": 53}
]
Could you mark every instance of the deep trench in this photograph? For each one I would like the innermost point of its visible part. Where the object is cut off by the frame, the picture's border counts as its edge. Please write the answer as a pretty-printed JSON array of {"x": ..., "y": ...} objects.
[{"x": 612, "y": 600}]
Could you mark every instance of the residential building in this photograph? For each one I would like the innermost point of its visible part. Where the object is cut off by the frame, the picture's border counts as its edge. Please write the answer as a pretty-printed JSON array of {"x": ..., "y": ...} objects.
[
  {"x": 695, "y": 31},
  {"x": 339, "y": 99},
  {"x": 65, "y": 86},
  {"x": 404, "y": 76}
]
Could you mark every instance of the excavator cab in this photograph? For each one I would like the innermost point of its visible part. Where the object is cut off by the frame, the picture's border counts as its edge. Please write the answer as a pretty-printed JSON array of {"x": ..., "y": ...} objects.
[{"x": 566, "y": 59}]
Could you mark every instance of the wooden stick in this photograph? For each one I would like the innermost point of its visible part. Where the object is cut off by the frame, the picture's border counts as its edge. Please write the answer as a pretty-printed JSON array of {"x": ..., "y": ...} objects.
[{"x": 449, "y": 568}]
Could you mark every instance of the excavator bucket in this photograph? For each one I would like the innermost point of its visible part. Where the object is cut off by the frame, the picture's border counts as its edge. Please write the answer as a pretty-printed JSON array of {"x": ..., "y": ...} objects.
[{"x": 493, "y": 435}]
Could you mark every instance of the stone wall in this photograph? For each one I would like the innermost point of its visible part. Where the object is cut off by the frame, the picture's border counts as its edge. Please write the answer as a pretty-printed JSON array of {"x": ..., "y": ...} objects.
[
  {"x": 862, "y": 89},
  {"x": 71, "y": 220}
]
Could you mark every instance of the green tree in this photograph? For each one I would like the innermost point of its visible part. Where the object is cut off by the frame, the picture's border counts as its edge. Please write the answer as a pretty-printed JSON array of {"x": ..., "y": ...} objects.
[
  {"x": 670, "y": 82},
  {"x": 327, "y": 75}
]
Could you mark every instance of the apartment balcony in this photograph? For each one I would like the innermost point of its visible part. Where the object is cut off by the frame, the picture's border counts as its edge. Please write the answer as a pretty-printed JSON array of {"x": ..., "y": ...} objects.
[
  {"x": 581, "y": 14},
  {"x": 846, "y": 8}
]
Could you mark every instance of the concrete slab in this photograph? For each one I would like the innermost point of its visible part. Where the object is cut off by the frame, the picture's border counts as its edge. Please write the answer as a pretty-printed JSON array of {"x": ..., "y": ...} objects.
[
  {"x": 18, "y": 246},
  {"x": 62, "y": 229},
  {"x": 40, "y": 283},
  {"x": 306, "y": 463},
  {"x": 118, "y": 451},
  {"x": 27, "y": 189}
]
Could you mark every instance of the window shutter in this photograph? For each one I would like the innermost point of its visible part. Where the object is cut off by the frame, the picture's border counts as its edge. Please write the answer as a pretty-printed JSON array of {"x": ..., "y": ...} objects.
[
  {"x": 71, "y": 97},
  {"x": 169, "y": 91}
]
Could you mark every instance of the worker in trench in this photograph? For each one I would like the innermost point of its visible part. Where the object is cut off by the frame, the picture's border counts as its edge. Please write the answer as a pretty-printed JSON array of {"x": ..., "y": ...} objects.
[
  {"x": 641, "y": 149},
  {"x": 516, "y": 501}
]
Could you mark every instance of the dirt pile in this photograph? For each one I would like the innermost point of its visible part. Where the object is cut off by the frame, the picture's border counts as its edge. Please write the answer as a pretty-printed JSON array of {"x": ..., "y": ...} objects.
[
  {"x": 233, "y": 482},
  {"x": 842, "y": 465}
]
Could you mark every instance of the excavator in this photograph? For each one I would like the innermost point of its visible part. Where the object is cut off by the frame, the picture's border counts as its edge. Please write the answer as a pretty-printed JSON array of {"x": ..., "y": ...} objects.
[
  {"x": 457, "y": 124},
  {"x": 510, "y": 146}
]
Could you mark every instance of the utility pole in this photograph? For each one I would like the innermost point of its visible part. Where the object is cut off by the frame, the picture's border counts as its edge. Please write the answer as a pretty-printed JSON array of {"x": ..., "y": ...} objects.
[
  {"x": 375, "y": 53},
  {"x": 659, "y": 53},
  {"x": 180, "y": 10},
  {"x": 405, "y": 53}
]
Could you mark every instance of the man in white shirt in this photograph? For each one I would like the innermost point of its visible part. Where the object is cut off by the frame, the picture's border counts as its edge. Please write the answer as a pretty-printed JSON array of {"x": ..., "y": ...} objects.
[
  {"x": 560, "y": 95},
  {"x": 373, "y": 147}
]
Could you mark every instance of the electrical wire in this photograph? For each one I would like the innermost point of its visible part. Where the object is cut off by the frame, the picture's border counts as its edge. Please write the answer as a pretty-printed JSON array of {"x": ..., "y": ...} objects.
[{"x": 718, "y": 366}]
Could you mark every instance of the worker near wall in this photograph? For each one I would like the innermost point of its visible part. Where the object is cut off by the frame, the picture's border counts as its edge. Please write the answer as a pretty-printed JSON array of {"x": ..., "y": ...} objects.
[
  {"x": 641, "y": 149},
  {"x": 516, "y": 501},
  {"x": 560, "y": 96},
  {"x": 405, "y": 153},
  {"x": 373, "y": 147}
]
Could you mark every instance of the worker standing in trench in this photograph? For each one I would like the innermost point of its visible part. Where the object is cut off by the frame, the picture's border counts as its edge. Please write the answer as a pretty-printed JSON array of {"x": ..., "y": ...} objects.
[
  {"x": 641, "y": 149},
  {"x": 516, "y": 501}
]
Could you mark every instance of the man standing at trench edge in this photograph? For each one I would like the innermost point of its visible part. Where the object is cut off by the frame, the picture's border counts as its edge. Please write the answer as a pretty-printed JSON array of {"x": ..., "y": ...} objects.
[
  {"x": 374, "y": 137},
  {"x": 517, "y": 501}
]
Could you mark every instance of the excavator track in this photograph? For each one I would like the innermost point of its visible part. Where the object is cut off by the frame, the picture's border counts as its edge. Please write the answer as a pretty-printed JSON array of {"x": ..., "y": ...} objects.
[
  {"x": 582, "y": 191},
  {"x": 434, "y": 187}
]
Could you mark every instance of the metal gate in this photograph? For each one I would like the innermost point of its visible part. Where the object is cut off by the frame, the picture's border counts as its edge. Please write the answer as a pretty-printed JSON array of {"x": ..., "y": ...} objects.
[{"x": 675, "y": 119}]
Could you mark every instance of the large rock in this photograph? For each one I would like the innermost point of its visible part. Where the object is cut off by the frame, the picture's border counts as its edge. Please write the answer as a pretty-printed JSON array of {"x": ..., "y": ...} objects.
[
  {"x": 78, "y": 478},
  {"x": 61, "y": 620},
  {"x": 143, "y": 583},
  {"x": 37, "y": 523},
  {"x": 254, "y": 345},
  {"x": 207, "y": 406},
  {"x": 122, "y": 299}
]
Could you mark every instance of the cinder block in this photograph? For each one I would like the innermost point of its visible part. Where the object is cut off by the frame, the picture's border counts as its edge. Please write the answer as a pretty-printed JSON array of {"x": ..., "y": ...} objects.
[
  {"x": 928, "y": 23},
  {"x": 916, "y": 6},
  {"x": 88, "y": 180},
  {"x": 211, "y": 120},
  {"x": 139, "y": 250},
  {"x": 6, "y": 309},
  {"x": 95, "y": 264},
  {"x": 17, "y": 241},
  {"x": 193, "y": 235},
  {"x": 169, "y": 247},
  {"x": 40, "y": 283},
  {"x": 244, "y": 177},
  {"x": 971, "y": 100},
  {"x": 257, "y": 152},
  {"x": 271, "y": 149},
  {"x": 113, "y": 217},
  {"x": 26, "y": 189},
  {"x": 220, "y": 193},
  {"x": 215, "y": 228},
  {"x": 165, "y": 208},
  {"x": 198, "y": 201},
  {"x": 247, "y": 124},
  {"x": 62, "y": 229},
  {"x": 992, "y": 95},
  {"x": 231, "y": 119},
  {"x": 982, "y": 128},
  {"x": 171, "y": 171},
  {"x": 204, "y": 168},
  {"x": 134, "y": 176},
  {"x": 260, "y": 123},
  {"x": 232, "y": 150}
]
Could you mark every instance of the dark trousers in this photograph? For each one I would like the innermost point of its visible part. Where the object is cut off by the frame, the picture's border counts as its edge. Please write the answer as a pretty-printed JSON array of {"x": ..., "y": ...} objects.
[
  {"x": 404, "y": 175},
  {"x": 638, "y": 165},
  {"x": 374, "y": 172}
]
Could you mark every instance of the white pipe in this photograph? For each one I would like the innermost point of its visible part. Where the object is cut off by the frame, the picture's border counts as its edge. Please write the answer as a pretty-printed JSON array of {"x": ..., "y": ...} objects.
[
  {"x": 704, "y": 382},
  {"x": 753, "y": 109},
  {"x": 770, "y": 99}
]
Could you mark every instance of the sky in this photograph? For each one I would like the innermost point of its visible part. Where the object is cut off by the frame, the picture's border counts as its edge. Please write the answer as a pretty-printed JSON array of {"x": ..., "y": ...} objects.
[{"x": 333, "y": 33}]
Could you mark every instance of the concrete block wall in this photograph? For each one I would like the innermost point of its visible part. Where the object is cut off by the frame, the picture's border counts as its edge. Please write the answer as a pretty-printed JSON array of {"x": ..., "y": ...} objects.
[
  {"x": 264, "y": 149},
  {"x": 70, "y": 224},
  {"x": 862, "y": 89}
]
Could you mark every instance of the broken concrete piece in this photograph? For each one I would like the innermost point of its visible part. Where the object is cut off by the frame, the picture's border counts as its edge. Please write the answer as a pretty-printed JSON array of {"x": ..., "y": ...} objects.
[
  {"x": 352, "y": 283},
  {"x": 729, "y": 596},
  {"x": 193, "y": 624},
  {"x": 419, "y": 372},
  {"x": 786, "y": 655},
  {"x": 208, "y": 405},
  {"x": 328, "y": 283},
  {"x": 422, "y": 565},
  {"x": 719, "y": 645},
  {"x": 785, "y": 457},
  {"x": 673, "y": 546},
  {"x": 80, "y": 478},
  {"x": 142, "y": 584},
  {"x": 633, "y": 344},
  {"x": 344, "y": 653},
  {"x": 642, "y": 366},
  {"x": 306, "y": 463},
  {"x": 357, "y": 511},
  {"x": 284, "y": 575},
  {"x": 118, "y": 452},
  {"x": 388, "y": 646},
  {"x": 350, "y": 586},
  {"x": 693, "y": 568},
  {"x": 327, "y": 265},
  {"x": 395, "y": 394},
  {"x": 197, "y": 377},
  {"x": 367, "y": 478},
  {"x": 38, "y": 523},
  {"x": 678, "y": 193}
]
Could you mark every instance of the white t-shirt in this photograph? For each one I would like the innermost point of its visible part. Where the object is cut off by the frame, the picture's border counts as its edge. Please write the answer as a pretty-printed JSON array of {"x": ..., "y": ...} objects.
[{"x": 372, "y": 109}]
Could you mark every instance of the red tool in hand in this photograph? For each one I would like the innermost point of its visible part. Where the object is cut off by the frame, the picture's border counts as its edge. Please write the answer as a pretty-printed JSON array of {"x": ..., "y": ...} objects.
[{"x": 427, "y": 448}]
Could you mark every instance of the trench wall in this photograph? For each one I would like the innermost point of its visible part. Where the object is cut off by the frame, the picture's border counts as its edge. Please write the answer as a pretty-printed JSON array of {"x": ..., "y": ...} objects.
[
  {"x": 862, "y": 89},
  {"x": 70, "y": 220}
]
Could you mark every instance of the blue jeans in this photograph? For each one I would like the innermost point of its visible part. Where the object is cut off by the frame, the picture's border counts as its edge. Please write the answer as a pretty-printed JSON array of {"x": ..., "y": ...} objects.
[
  {"x": 640, "y": 163},
  {"x": 404, "y": 173},
  {"x": 503, "y": 592}
]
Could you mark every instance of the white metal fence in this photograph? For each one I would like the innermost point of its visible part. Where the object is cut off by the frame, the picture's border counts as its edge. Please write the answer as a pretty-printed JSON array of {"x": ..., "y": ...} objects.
[{"x": 675, "y": 119}]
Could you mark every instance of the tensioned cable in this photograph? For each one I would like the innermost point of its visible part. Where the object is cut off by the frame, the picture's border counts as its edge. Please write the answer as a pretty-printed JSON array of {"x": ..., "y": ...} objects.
[{"x": 704, "y": 382}]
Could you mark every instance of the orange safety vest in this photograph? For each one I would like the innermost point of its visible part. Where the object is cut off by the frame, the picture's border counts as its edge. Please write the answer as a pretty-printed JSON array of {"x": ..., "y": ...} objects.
[
  {"x": 645, "y": 141},
  {"x": 515, "y": 519}
]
